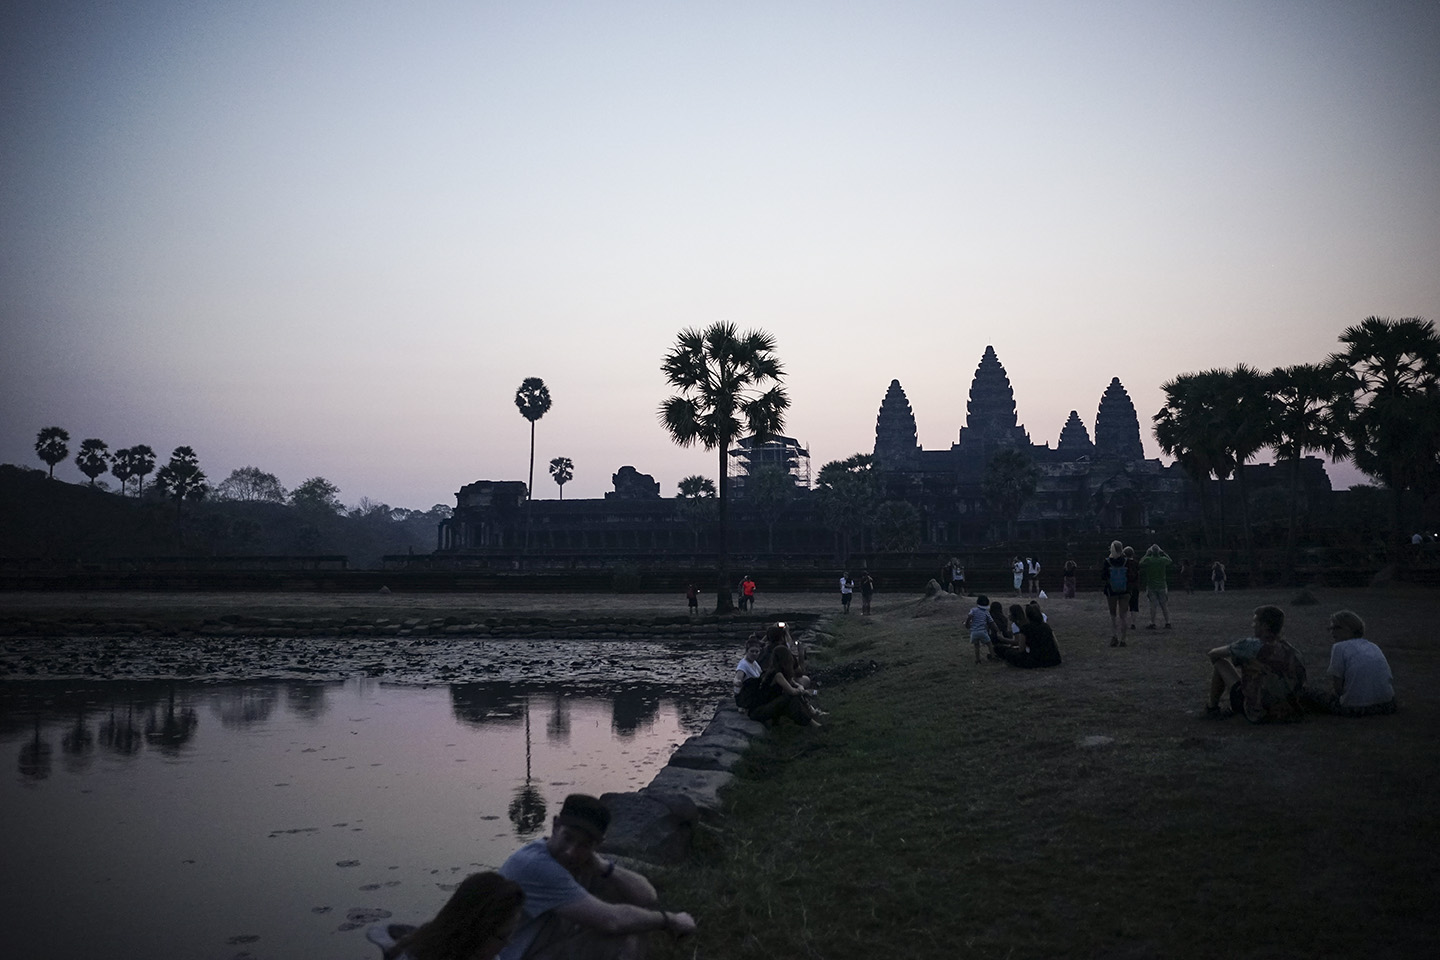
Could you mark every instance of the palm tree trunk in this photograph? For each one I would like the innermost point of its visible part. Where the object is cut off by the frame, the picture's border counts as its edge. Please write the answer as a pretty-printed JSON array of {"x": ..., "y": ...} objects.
[
  {"x": 1294, "y": 510},
  {"x": 723, "y": 603},
  {"x": 529, "y": 488}
]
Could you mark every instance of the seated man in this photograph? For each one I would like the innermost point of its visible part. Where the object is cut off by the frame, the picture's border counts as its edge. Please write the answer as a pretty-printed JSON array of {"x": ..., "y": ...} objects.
[
  {"x": 1360, "y": 678},
  {"x": 577, "y": 903},
  {"x": 1263, "y": 673}
]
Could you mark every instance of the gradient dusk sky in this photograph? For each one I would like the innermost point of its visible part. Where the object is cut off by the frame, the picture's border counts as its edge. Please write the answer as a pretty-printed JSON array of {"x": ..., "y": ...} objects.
[{"x": 333, "y": 237}]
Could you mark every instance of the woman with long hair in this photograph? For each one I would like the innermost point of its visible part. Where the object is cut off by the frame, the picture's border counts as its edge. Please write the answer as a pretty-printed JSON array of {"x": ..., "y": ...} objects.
[
  {"x": 1115, "y": 578},
  {"x": 475, "y": 924},
  {"x": 781, "y": 695}
]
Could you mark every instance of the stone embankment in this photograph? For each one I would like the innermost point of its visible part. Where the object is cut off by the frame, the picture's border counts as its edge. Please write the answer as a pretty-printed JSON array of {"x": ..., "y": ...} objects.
[{"x": 656, "y": 823}]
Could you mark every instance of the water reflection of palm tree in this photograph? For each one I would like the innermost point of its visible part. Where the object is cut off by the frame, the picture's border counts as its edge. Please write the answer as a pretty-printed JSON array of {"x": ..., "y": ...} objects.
[
  {"x": 78, "y": 743},
  {"x": 306, "y": 699},
  {"x": 34, "y": 762},
  {"x": 527, "y": 810},
  {"x": 121, "y": 735},
  {"x": 557, "y": 729},
  {"x": 173, "y": 729},
  {"x": 630, "y": 710}
]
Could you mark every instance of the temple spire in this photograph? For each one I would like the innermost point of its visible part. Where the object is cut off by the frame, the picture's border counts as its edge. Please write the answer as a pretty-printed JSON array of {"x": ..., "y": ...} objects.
[{"x": 1117, "y": 428}]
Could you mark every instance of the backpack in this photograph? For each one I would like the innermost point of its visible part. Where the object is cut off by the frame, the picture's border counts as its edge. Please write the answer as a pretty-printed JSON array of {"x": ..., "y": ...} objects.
[
  {"x": 1119, "y": 578},
  {"x": 748, "y": 696}
]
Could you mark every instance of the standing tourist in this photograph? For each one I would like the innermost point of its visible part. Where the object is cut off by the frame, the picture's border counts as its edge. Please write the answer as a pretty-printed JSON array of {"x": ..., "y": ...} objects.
[
  {"x": 1071, "y": 568},
  {"x": 1132, "y": 570},
  {"x": 747, "y": 593},
  {"x": 1217, "y": 576},
  {"x": 957, "y": 575},
  {"x": 692, "y": 600},
  {"x": 1115, "y": 581},
  {"x": 867, "y": 590},
  {"x": 847, "y": 588},
  {"x": 578, "y": 903},
  {"x": 981, "y": 626},
  {"x": 1017, "y": 574},
  {"x": 1032, "y": 569},
  {"x": 1153, "y": 567}
]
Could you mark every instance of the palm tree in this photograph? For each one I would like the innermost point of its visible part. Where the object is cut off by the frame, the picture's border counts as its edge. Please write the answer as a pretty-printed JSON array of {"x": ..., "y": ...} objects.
[
  {"x": 562, "y": 471},
  {"x": 723, "y": 377},
  {"x": 1248, "y": 421},
  {"x": 52, "y": 445},
  {"x": 142, "y": 461},
  {"x": 533, "y": 400},
  {"x": 1309, "y": 413},
  {"x": 121, "y": 467},
  {"x": 93, "y": 458},
  {"x": 849, "y": 494},
  {"x": 1393, "y": 366},
  {"x": 182, "y": 479},
  {"x": 1188, "y": 428}
]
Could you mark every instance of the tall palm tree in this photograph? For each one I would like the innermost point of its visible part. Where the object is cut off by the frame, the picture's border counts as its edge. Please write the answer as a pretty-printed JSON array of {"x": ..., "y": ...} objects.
[
  {"x": 697, "y": 502},
  {"x": 93, "y": 458},
  {"x": 1309, "y": 414},
  {"x": 562, "y": 471},
  {"x": 52, "y": 445},
  {"x": 1010, "y": 480},
  {"x": 1393, "y": 366},
  {"x": 1248, "y": 419},
  {"x": 729, "y": 383},
  {"x": 533, "y": 400},
  {"x": 182, "y": 479},
  {"x": 121, "y": 466},
  {"x": 142, "y": 461},
  {"x": 1188, "y": 428}
]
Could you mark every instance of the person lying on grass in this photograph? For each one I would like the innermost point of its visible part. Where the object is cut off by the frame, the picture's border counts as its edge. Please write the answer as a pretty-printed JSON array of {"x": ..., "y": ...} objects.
[
  {"x": 1360, "y": 679},
  {"x": 1263, "y": 674},
  {"x": 1035, "y": 642},
  {"x": 982, "y": 626}
]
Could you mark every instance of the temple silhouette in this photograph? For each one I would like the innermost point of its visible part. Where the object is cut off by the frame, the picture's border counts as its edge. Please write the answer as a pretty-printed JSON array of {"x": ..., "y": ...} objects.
[{"x": 1085, "y": 489}]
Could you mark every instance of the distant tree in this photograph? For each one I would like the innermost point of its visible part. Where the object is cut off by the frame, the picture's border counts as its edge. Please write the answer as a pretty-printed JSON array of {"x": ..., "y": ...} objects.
[
  {"x": 533, "y": 401},
  {"x": 142, "y": 462},
  {"x": 317, "y": 495},
  {"x": 562, "y": 471},
  {"x": 770, "y": 490},
  {"x": 1248, "y": 417},
  {"x": 182, "y": 479},
  {"x": 52, "y": 445},
  {"x": 729, "y": 383},
  {"x": 849, "y": 493},
  {"x": 251, "y": 485},
  {"x": 1009, "y": 482},
  {"x": 1311, "y": 406},
  {"x": 697, "y": 504},
  {"x": 1393, "y": 368},
  {"x": 121, "y": 467},
  {"x": 440, "y": 512},
  {"x": 897, "y": 526},
  {"x": 93, "y": 458},
  {"x": 1190, "y": 428}
]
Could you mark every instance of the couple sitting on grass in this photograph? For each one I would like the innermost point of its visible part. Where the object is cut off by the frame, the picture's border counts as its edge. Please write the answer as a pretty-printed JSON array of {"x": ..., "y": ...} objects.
[
  {"x": 1265, "y": 679},
  {"x": 1023, "y": 639},
  {"x": 770, "y": 680}
]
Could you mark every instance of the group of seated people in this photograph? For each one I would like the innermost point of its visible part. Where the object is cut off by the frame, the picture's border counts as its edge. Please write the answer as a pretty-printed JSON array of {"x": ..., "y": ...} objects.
[
  {"x": 1023, "y": 638},
  {"x": 770, "y": 679},
  {"x": 1266, "y": 681}
]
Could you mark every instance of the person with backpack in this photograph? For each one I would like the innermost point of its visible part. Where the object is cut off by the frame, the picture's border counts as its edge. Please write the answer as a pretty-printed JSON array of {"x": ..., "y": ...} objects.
[{"x": 1115, "y": 581}]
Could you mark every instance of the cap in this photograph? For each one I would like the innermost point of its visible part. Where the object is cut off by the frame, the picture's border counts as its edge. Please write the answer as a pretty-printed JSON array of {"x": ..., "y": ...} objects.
[{"x": 584, "y": 812}]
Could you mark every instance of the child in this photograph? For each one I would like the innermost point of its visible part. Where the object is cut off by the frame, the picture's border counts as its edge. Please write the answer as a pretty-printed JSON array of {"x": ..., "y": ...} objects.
[{"x": 980, "y": 624}]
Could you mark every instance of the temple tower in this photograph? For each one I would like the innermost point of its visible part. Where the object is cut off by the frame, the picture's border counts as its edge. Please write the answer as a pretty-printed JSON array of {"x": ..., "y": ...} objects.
[
  {"x": 1075, "y": 439},
  {"x": 1117, "y": 429},
  {"x": 990, "y": 413},
  {"x": 896, "y": 446}
]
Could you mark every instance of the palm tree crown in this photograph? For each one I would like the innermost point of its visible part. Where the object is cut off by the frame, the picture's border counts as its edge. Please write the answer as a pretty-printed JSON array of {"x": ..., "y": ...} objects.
[
  {"x": 533, "y": 401},
  {"x": 562, "y": 471}
]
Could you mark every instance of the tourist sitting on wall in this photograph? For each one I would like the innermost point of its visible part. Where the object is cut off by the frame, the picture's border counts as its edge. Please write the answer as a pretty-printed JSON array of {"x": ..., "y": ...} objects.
[
  {"x": 1035, "y": 642},
  {"x": 748, "y": 672},
  {"x": 781, "y": 694},
  {"x": 1360, "y": 679},
  {"x": 475, "y": 924},
  {"x": 1263, "y": 674},
  {"x": 578, "y": 903}
]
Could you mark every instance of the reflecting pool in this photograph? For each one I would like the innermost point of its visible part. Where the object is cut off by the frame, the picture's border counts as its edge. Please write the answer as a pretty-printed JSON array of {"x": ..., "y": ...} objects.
[{"x": 173, "y": 819}]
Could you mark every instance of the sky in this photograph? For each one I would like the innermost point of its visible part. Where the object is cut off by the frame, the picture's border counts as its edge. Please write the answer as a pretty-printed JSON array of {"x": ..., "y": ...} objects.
[{"x": 332, "y": 238}]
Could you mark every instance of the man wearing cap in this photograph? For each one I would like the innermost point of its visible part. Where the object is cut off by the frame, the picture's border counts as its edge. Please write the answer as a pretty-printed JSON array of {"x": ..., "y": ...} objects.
[{"x": 579, "y": 904}]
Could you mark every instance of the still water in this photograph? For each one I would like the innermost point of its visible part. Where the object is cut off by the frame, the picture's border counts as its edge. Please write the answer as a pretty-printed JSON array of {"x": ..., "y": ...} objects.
[{"x": 160, "y": 819}]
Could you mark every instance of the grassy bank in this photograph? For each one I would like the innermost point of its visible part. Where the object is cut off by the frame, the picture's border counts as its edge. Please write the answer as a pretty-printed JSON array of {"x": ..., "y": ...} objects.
[{"x": 952, "y": 809}]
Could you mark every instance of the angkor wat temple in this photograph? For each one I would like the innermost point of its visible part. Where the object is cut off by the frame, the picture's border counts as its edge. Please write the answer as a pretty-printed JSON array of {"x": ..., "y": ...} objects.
[{"x": 1085, "y": 489}]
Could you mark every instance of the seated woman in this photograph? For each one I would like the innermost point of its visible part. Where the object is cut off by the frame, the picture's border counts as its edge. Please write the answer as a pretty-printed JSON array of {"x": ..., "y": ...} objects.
[
  {"x": 780, "y": 693},
  {"x": 1360, "y": 678},
  {"x": 1002, "y": 624},
  {"x": 1036, "y": 646},
  {"x": 475, "y": 924},
  {"x": 779, "y": 635}
]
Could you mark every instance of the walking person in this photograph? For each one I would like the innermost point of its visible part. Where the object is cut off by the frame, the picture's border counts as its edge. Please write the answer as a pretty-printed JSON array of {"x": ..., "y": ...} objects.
[
  {"x": 982, "y": 627},
  {"x": 1115, "y": 581},
  {"x": 1071, "y": 568}
]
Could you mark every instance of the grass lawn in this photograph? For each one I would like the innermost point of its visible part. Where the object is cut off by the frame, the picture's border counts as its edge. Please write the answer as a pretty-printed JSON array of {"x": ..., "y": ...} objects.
[{"x": 953, "y": 809}]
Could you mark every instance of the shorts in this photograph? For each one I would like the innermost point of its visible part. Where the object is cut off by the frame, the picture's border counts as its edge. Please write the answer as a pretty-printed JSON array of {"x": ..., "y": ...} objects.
[
  {"x": 1161, "y": 595},
  {"x": 1135, "y": 601},
  {"x": 1019, "y": 579},
  {"x": 978, "y": 637}
]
